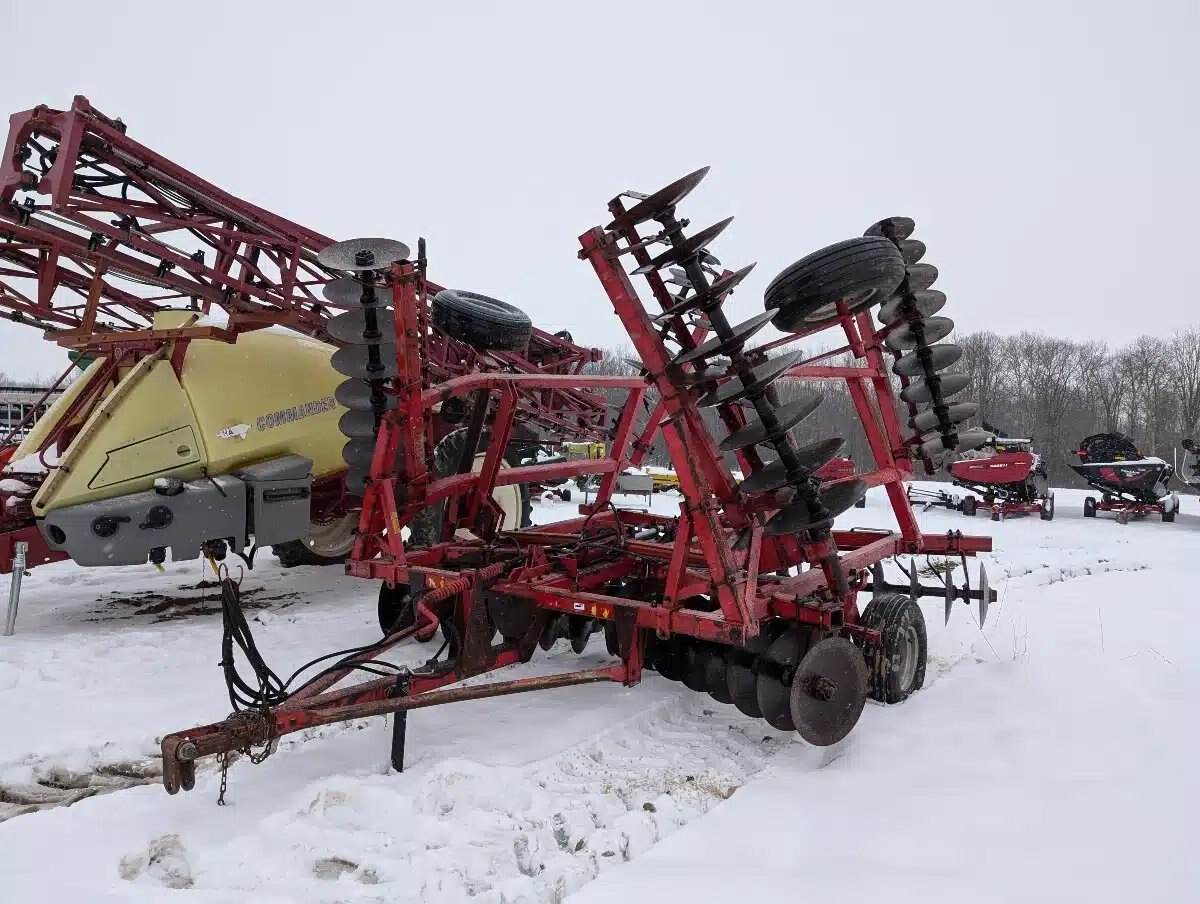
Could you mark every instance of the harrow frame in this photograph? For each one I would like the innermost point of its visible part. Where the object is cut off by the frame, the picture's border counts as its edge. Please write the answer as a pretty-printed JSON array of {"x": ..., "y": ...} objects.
[{"x": 710, "y": 574}]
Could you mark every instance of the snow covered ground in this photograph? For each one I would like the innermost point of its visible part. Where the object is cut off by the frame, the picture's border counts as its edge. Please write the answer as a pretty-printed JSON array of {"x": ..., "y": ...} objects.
[{"x": 1050, "y": 757}]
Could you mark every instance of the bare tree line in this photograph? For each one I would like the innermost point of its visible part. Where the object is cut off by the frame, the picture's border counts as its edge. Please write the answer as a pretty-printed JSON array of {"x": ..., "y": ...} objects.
[{"x": 1052, "y": 389}]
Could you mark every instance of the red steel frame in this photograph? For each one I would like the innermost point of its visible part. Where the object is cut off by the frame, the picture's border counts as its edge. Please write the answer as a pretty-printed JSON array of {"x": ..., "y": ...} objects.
[
  {"x": 1130, "y": 509},
  {"x": 553, "y": 568}
]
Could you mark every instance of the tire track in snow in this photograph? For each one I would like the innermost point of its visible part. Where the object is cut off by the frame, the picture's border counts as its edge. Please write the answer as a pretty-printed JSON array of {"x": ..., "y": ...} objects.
[{"x": 462, "y": 830}]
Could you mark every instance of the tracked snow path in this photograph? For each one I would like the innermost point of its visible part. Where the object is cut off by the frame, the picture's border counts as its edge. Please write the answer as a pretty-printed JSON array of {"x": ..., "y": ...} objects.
[{"x": 1047, "y": 759}]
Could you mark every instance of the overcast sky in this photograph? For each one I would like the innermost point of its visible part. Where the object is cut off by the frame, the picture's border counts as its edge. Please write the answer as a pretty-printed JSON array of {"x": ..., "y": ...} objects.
[{"x": 1048, "y": 151}]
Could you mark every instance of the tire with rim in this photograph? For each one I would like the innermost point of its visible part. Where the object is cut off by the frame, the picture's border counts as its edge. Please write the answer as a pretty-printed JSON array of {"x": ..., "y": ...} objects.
[
  {"x": 1169, "y": 509},
  {"x": 1047, "y": 512},
  {"x": 329, "y": 541},
  {"x": 480, "y": 321},
  {"x": 425, "y": 529},
  {"x": 968, "y": 506},
  {"x": 897, "y": 661},
  {"x": 1089, "y": 507},
  {"x": 859, "y": 272}
]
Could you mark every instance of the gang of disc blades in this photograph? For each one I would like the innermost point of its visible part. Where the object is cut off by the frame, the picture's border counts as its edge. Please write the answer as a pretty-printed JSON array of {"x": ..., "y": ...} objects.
[
  {"x": 358, "y": 424},
  {"x": 346, "y": 292},
  {"x": 757, "y": 379},
  {"x": 356, "y": 395},
  {"x": 738, "y": 336},
  {"x": 788, "y": 416},
  {"x": 921, "y": 276},
  {"x": 912, "y": 250},
  {"x": 829, "y": 691},
  {"x": 892, "y": 228},
  {"x": 659, "y": 202},
  {"x": 345, "y": 255},
  {"x": 920, "y": 392},
  {"x": 955, "y": 414},
  {"x": 926, "y": 301},
  {"x": 742, "y": 671},
  {"x": 933, "y": 329},
  {"x": 721, "y": 287},
  {"x": 911, "y": 365},
  {"x": 351, "y": 327},
  {"x": 354, "y": 361},
  {"x": 687, "y": 249},
  {"x": 797, "y": 516},
  {"x": 775, "y": 670}
]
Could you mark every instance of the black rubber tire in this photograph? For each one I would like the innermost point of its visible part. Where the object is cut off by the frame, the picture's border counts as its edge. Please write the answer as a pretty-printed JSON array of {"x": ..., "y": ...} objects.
[
  {"x": 968, "y": 506},
  {"x": 480, "y": 321},
  {"x": 898, "y": 619},
  {"x": 862, "y": 271},
  {"x": 1047, "y": 512},
  {"x": 1089, "y": 507},
  {"x": 298, "y": 552},
  {"x": 1168, "y": 517},
  {"x": 425, "y": 529}
]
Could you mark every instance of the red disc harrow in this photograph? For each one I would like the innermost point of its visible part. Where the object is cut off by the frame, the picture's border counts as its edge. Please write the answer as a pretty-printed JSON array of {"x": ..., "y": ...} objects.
[{"x": 747, "y": 592}]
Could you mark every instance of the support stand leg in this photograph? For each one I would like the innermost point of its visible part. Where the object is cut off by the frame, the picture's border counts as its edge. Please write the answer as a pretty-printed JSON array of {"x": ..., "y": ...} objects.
[
  {"x": 399, "y": 725},
  {"x": 14, "y": 589}
]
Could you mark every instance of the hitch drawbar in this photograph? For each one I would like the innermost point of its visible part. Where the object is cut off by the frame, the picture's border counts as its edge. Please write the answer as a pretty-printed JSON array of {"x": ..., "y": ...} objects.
[{"x": 982, "y": 591}]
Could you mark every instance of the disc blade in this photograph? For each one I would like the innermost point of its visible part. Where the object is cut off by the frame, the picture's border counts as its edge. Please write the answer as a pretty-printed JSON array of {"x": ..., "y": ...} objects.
[
  {"x": 362, "y": 254},
  {"x": 776, "y": 668},
  {"x": 738, "y": 337},
  {"x": 511, "y": 615},
  {"x": 358, "y": 424},
  {"x": 757, "y": 379},
  {"x": 931, "y": 330},
  {"x": 955, "y": 414},
  {"x": 949, "y": 384},
  {"x": 723, "y": 286},
  {"x": 829, "y": 691},
  {"x": 912, "y": 250},
  {"x": 356, "y": 395},
  {"x": 354, "y": 361},
  {"x": 347, "y": 292},
  {"x": 788, "y": 417},
  {"x": 892, "y": 228},
  {"x": 967, "y": 440},
  {"x": 695, "y": 669},
  {"x": 659, "y": 202},
  {"x": 742, "y": 672},
  {"x": 921, "y": 276},
  {"x": 351, "y": 327},
  {"x": 812, "y": 457},
  {"x": 358, "y": 453},
  {"x": 699, "y": 377},
  {"x": 799, "y": 517},
  {"x": 922, "y": 361},
  {"x": 356, "y": 481},
  {"x": 926, "y": 302},
  {"x": 716, "y": 675},
  {"x": 687, "y": 249}
]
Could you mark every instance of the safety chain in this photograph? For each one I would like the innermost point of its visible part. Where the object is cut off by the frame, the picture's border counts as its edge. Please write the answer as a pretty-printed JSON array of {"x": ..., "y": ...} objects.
[{"x": 255, "y": 725}]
